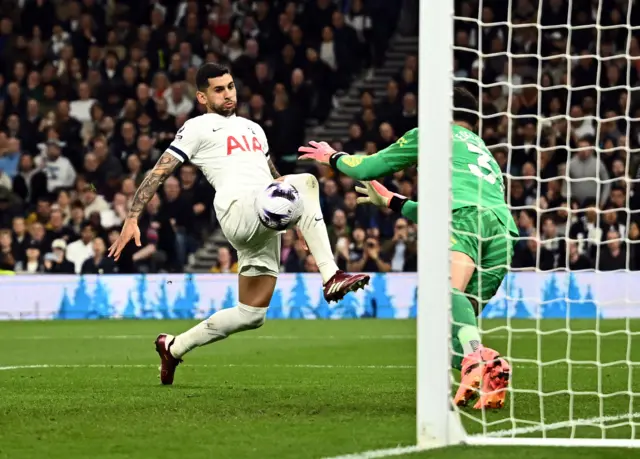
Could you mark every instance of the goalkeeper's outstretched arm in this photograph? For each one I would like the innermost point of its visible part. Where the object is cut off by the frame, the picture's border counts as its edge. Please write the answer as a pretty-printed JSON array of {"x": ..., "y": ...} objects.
[{"x": 396, "y": 157}]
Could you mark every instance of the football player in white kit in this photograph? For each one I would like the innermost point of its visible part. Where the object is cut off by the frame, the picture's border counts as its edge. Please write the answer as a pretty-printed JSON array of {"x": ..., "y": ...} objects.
[{"x": 233, "y": 154}]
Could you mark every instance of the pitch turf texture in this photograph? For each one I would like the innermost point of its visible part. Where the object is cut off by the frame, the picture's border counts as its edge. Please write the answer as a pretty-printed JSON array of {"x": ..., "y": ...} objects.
[{"x": 293, "y": 389}]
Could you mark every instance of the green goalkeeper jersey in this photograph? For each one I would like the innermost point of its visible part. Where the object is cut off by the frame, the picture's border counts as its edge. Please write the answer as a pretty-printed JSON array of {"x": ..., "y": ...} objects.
[{"x": 476, "y": 177}]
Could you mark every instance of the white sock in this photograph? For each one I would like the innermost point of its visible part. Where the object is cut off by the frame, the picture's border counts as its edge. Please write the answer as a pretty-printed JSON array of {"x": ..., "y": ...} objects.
[
  {"x": 312, "y": 224},
  {"x": 469, "y": 338},
  {"x": 219, "y": 326}
]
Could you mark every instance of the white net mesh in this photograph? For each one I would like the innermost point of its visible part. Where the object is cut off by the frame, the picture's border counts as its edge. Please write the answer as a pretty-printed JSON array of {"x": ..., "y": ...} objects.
[{"x": 561, "y": 114}]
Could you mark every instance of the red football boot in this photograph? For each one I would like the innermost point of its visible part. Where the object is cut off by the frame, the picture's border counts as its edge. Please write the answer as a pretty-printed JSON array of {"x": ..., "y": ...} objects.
[
  {"x": 342, "y": 283},
  {"x": 168, "y": 362}
]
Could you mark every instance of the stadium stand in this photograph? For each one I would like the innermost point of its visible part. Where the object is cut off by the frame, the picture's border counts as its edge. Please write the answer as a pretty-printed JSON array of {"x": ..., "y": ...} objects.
[{"x": 93, "y": 91}]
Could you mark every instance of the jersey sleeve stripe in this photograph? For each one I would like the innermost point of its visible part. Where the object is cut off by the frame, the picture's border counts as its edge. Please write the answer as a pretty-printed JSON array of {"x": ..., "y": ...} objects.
[{"x": 181, "y": 155}]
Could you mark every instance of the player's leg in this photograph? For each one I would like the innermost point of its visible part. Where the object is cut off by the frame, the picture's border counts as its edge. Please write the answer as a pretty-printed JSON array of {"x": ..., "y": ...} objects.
[
  {"x": 336, "y": 283},
  {"x": 259, "y": 264},
  {"x": 482, "y": 255}
]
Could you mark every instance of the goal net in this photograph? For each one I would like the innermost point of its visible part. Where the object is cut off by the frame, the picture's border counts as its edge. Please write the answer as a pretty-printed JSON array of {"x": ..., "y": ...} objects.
[{"x": 556, "y": 81}]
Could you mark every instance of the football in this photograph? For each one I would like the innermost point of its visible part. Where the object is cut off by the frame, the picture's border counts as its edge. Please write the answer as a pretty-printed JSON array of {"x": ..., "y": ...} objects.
[{"x": 279, "y": 206}]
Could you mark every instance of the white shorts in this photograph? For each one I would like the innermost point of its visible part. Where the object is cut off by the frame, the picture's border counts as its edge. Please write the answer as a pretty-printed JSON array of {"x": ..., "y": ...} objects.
[{"x": 258, "y": 247}]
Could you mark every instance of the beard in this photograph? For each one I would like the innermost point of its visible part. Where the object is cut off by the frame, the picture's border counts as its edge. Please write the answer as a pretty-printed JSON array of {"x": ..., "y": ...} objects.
[{"x": 221, "y": 110}]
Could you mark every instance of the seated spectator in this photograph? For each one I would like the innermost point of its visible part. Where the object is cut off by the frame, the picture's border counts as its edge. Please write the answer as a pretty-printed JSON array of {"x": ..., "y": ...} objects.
[
  {"x": 33, "y": 260},
  {"x": 99, "y": 263},
  {"x": 224, "y": 264},
  {"x": 613, "y": 253},
  {"x": 7, "y": 260},
  {"x": 292, "y": 252},
  {"x": 55, "y": 262},
  {"x": 79, "y": 251}
]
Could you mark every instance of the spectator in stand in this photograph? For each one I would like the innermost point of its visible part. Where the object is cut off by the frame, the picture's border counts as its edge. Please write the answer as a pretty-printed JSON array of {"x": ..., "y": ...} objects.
[
  {"x": 82, "y": 249},
  {"x": 401, "y": 250},
  {"x": 224, "y": 262},
  {"x": 588, "y": 177},
  {"x": 56, "y": 262},
  {"x": 99, "y": 263}
]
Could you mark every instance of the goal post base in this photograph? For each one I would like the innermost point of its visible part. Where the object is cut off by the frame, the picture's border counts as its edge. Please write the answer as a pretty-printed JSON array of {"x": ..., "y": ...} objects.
[{"x": 454, "y": 435}]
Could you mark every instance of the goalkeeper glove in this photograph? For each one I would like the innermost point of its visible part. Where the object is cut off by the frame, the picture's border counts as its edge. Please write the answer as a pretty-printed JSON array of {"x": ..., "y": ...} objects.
[
  {"x": 322, "y": 153},
  {"x": 376, "y": 194}
]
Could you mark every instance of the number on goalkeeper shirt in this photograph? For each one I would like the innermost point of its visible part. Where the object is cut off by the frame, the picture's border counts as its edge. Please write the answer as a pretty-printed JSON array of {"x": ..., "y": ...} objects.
[{"x": 483, "y": 167}]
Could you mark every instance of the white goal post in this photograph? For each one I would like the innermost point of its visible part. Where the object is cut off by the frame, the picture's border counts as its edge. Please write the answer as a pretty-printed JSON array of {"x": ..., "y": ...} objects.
[{"x": 584, "y": 387}]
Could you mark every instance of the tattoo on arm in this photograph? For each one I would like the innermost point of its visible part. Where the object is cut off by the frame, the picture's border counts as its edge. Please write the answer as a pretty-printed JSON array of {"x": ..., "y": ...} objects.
[
  {"x": 272, "y": 168},
  {"x": 163, "y": 169}
]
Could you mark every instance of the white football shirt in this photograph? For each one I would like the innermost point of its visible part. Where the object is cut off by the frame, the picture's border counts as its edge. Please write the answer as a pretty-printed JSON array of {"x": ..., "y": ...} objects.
[{"x": 231, "y": 152}]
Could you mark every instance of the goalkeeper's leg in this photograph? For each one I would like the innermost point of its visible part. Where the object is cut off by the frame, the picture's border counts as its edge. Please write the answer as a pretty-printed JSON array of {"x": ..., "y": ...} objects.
[{"x": 481, "y": 367}]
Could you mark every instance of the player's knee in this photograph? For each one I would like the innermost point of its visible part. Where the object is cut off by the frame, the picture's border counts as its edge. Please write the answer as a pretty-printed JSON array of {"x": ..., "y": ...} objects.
[
  {"x": 252, "y": 317},
  {"x": 305, "y": 180}
]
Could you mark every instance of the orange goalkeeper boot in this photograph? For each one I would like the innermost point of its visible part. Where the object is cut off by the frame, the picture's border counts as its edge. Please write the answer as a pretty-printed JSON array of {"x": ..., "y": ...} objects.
[{"x": 483, "y": 369}]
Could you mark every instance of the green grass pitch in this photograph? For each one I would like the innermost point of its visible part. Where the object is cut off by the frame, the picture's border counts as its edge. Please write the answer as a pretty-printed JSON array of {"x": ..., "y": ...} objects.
[{"x": 293, "y": 389}]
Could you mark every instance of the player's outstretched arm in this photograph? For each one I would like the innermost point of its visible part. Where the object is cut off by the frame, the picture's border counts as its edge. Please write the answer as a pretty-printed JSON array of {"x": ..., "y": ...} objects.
[
  {"x": 375, "y": 193},
  {"x": 147, "y": 189}
]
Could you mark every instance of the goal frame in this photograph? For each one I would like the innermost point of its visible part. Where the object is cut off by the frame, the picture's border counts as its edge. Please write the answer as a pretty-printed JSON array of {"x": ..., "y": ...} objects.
[{"x": 437, "y": 421}]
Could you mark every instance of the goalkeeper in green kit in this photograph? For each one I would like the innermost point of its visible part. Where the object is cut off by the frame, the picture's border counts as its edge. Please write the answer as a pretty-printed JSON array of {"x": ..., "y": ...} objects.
[{"x": 482, "y": 236}]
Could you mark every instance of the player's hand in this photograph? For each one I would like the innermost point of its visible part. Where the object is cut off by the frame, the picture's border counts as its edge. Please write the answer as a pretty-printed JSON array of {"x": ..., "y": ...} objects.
[
  {"x": 129, "y": 231},
  {"x": 375, "y": 193},
  {"x": 320, "y": 152}
]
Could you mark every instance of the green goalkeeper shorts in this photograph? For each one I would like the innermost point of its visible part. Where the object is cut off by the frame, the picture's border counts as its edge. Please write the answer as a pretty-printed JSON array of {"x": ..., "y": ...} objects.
[{"x": 486, "y": 240}]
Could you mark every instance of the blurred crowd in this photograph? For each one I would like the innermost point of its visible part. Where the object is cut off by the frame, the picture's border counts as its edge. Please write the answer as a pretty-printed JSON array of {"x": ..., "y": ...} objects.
[{"x": 93, "y": 91}]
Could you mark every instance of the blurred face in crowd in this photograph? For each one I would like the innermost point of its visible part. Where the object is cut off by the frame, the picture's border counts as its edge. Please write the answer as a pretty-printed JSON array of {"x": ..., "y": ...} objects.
[
  {"x": 337, "y": 20},
  {"x": 129, "y": 75},
  {"x": 618, "y": 198},
  {"x": 386, "y": 132},
  {"x": 13, "y": 90},
  {"x": 312, "y": 55},
  {"x": 347, "y": 183},
  {"x": 37, "y": 231},
  {"x": 128, "y": 187},
  {"x": 13, "y": 123},
  {"x": 19, "y": 226},
  {"x": 107, "y": 125},
  {"x": 53, "y": 152},
  {"x": 100, "y": 150},
  {"x": 406, "y": 188},
  {"x": 133, "y": 164},
  {"x": 327, "y": 34},
  {"x": 617, "y": 167},
  {"x": 610, "y": 216},
  {"x": 26, "y": 163},
  {"x": 77, "y": 214},
  {"x": 355, "y": 131},
  {"x": 98, "y": 247},
  {"x": 154, "y": 205},
  {"x": 517, "y": 189},
  {"x": 585, "y": 149},
  {"x": 87, "y": 234},
  {"x": 296, "y": 35},
  {"x": 161, "y": 106},
  {"x": 409, "y": 103},
  {"x": 224, "y": 256},
  {"x": 89, "y": 195},
  {"x": 144, "y": 144},
  {"x": 56, "y": 219},
  {"x": 33, "y": 107},
  {"x": 33, "y": 254},
  {"x": 549, "y": 228},
  {"x": 392, "y": 90},
  {"x": 220, "y": 96},
  {"x": 5, "y": 239},
  {"x": 63, "y": 199},
  {"x": 368, "y": 116},
  {"x": 339, "y": 220},
  {"x": 90, "y": 162},
  {"x": 297, "y": 77},
  {"x": 401, "y": 230},
  {"x": 350, "y": 202},
  {"x": 330, "y": 188},
  {"x": 84, "y": 92},
  {"x": 613, "y": 240},
  {"x": 529, "y": 132},
  {"x": 370, "y": 147},
  {"x": 359, "y": 236},
  {"x": 525, "y": 221},
  {"x": 188, "y": 175},
  {"x": 19, "y": 71},
  {"x": 172, "y": 188},
  {"x": 128, "y": 132}
]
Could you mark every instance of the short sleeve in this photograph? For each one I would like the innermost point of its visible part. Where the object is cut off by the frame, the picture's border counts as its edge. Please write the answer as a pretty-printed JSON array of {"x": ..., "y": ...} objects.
[
  {"x": 186, "y": 142},
  {"x": 262, "y": 137}
]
